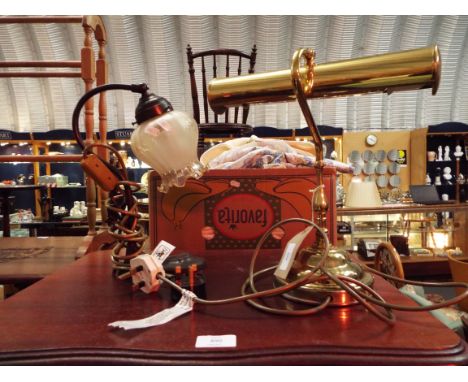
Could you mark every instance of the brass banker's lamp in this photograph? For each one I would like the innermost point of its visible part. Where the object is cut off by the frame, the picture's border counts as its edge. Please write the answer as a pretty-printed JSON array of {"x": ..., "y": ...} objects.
[{"x": 407, "y": 70}]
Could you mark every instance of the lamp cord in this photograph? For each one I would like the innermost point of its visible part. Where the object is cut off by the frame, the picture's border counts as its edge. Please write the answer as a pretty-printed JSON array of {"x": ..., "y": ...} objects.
[
  {"x": 123, "y": 215},
  {"x": 359, "y": 291}
]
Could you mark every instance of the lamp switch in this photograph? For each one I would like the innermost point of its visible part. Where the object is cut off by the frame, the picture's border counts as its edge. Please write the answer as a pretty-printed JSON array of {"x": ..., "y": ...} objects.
[{"x": 103, "y": 174}]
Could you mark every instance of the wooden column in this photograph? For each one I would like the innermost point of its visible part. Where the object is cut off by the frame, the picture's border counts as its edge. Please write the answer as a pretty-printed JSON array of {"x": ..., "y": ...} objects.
[
  {"x": 101, "y": 75},
  {"x": 88, "y": 76},
  {"x": 37, "y": 193}
]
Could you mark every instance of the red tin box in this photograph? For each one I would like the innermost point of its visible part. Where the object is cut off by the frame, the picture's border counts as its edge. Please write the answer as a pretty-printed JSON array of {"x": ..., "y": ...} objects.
[{"x": 232, "y": 209}]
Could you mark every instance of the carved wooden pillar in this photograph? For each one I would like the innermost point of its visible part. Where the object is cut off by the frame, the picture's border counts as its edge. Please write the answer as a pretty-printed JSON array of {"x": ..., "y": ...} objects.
[
  {"x": 101, "y": 79},
  {"x": 37, "y": 193},
  {"x": 88, "y": 76}
]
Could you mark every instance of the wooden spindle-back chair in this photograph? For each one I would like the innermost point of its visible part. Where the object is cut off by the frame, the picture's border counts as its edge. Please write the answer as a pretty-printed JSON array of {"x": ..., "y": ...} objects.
[{"x": 237, "y": 63}]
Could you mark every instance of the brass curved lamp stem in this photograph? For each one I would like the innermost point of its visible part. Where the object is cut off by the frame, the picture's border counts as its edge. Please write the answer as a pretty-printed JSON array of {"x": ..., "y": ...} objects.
[{"x": 301, "y": 87}]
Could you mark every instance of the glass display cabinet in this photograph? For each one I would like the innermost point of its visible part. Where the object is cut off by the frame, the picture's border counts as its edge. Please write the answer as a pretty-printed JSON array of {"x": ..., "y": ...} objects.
[
  {"x": 439, "y": 156},
  {"x": 424, "y": 233}
]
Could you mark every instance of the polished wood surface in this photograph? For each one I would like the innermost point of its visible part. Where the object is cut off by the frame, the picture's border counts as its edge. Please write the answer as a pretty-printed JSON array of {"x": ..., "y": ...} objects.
[
  {"x": 61, "y": 252},
  {"x": 64, "y": 318}
]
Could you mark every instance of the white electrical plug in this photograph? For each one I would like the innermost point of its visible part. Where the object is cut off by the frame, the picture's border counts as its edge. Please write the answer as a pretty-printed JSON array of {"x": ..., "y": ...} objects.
[{"x": 144, "y": 270}]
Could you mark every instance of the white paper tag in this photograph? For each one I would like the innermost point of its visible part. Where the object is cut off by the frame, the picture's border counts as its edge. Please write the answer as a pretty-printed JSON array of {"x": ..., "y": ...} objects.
[
  {"x": 184, "y": 305},
  {"x": 287, "y": 256},
  {"x": 226, "y": 341},
  {"x": 290, "y": 252},
  {"x": 162, "y": 251}
]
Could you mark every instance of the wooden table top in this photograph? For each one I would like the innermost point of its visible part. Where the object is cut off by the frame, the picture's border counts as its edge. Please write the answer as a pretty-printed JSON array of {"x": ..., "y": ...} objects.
[
  {"x": 41, "y": 257},
  {"x": 63, "y": 319}
]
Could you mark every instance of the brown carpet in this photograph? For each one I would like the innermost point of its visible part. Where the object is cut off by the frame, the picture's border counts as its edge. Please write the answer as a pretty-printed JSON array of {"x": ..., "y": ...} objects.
[{"x": 9, "y": 254}]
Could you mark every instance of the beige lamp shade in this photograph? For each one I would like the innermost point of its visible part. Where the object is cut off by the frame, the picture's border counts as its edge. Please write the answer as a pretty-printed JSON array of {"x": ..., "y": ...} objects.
[
  {"x": 168, "y": 143},
  {"x": 362, "y": 194}
]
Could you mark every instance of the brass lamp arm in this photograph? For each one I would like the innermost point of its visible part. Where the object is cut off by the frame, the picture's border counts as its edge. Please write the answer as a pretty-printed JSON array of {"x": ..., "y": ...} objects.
[{"x": 302, "y": 86}]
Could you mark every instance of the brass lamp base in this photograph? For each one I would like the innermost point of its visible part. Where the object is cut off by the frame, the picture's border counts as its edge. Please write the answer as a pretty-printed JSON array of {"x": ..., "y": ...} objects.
[{"x": 337, "y": 263}]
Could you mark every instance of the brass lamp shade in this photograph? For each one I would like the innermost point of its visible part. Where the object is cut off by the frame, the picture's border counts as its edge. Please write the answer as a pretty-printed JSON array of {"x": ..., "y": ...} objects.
[{"x": 406, "y": 70}]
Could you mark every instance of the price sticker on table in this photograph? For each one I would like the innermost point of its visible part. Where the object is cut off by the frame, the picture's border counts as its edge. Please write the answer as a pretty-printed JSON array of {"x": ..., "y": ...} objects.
[{"x": 225, "y": 341}]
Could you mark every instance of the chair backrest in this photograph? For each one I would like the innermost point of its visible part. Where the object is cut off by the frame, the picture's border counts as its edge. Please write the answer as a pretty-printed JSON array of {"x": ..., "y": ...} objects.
[
  {"x": 233, "y": 65},
  {"x": 459, "y": 270}
]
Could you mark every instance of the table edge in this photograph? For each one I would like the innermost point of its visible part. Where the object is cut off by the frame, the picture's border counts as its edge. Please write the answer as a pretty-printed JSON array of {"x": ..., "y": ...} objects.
[{"x": 458, "y": 355}]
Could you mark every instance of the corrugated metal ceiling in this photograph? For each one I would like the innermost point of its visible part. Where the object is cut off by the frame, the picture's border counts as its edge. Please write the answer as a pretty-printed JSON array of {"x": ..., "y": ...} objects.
[{"x": 152, "y": 49}]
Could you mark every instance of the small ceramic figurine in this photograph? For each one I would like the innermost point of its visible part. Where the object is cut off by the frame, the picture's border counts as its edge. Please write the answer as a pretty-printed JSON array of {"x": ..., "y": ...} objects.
[
  {"x": 340, "y": 193},
  {"x": 447, "y": 153},
  {"x": 428, "y": 179},
  {"x": 437, "y": 181},
  {"x": 461, "y": 179},
  {"x": 447, "y": 175},
  {"x": 458, "y": 152},
  {"x": 75, "y": 211},
  {"x": 83, "y": 207},
  {"x": 439, "y": 157},
  {"x": 431, "y": 156}
]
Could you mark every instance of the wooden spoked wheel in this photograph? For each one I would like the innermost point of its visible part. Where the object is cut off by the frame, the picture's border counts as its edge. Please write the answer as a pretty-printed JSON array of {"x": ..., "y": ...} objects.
[{"x": 387, "y": 260}]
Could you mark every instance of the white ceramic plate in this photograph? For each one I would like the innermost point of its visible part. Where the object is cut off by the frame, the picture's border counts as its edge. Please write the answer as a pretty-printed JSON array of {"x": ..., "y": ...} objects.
[
  {"x": 395, "y": 181},
  {"x": 394, "y": 168},
  {"x": 382, "y": 181},
  {"x": 357, "y": 169},
  {"x": 355, "y": 156},
  {"x": 367, "y": 155},
  {"x": 380, "y": 155},
  {"x": 381, "y": 169},
  {"x": 369, "y": 168},
  {"x": 392, "y": 155}
]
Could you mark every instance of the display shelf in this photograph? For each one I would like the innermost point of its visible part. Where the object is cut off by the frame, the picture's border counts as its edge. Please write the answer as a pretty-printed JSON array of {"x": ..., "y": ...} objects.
[
  {"x": 61, "y": 143},
  {"x": 402, "y": 208},
  {"x": 393, "y": 220},
  {"x": 65, "y": 187},
  {"x": 429, "y": 147},
  {"x": 423, "y": 267}
]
